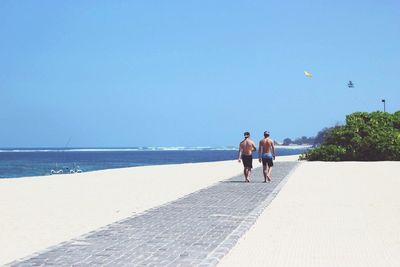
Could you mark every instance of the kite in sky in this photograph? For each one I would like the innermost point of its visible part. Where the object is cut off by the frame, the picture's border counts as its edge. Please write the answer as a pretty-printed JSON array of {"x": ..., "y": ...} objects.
[{"x": 308, "y": 74}]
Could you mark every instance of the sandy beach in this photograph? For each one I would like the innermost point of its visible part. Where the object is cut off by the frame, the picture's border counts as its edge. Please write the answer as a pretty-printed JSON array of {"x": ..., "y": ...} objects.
[
  {"x": 38, "y": 212},
  {"x": 328, "y": 214}
]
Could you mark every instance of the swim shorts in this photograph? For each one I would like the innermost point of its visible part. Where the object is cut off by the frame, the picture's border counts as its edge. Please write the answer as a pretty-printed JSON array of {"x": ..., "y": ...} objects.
[
  {"x": 247, "y": 161},
  {"x": 267, "y": 159}
]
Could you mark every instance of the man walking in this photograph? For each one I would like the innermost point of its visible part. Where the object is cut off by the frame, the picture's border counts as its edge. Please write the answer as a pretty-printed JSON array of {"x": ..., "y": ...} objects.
[
  {"x": 246, "y": 148},
  {"x": 266, "y": 154}
]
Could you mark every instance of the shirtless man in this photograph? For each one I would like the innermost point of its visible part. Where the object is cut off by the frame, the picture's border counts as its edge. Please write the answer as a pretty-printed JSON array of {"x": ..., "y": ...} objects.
[
  {"x": 266, "y": 153},
  {"x": 246, "y": 148}
]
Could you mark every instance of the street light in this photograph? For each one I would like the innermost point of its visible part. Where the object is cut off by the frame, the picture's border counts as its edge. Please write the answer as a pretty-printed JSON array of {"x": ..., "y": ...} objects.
[{"x": 384, "y": 105}]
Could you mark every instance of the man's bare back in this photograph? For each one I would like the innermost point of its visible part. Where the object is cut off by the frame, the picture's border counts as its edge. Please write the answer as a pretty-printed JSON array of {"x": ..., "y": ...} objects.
[
  {"x": 247, "y": 146},
  {"x": 267, "y": 146}
]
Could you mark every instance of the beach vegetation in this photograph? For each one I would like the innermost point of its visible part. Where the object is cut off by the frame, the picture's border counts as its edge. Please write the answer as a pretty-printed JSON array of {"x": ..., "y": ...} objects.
[{"x": 364, "y": 137}]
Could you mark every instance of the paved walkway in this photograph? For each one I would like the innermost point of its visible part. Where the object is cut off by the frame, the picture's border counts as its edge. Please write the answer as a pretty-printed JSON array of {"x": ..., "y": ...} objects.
[{"x": 197, "y": 230}]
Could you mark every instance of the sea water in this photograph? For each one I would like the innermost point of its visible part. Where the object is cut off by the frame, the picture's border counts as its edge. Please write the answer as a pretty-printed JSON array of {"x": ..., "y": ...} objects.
[{"x": 41, "y": 161}]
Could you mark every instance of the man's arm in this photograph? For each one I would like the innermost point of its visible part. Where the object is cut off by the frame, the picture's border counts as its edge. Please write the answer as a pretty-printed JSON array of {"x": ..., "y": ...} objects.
[
  {"x": 273, "y": 149},
  {"x": 254, "y": 146},
  {"x": 240, "y": 153},
  {"x": 260, "y": 151}
]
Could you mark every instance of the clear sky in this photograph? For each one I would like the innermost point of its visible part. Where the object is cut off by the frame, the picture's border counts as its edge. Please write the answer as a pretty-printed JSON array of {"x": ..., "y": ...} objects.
[{"x": 190, "y": 73}]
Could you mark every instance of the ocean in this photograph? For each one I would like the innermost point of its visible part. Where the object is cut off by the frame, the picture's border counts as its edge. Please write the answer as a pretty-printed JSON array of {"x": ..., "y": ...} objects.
[{"x": 19, "y": 162}]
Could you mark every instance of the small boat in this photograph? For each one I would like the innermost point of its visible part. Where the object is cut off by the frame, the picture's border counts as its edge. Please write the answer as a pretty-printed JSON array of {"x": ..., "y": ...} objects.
[
  {"x": 66, "y": 170},
  {"x": 56, "y": 172},
  {"x": 75, "y": 170}
]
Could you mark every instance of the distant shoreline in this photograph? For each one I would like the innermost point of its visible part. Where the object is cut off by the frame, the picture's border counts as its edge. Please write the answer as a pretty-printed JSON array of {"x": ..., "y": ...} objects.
[{"x": 294, "y": 146}]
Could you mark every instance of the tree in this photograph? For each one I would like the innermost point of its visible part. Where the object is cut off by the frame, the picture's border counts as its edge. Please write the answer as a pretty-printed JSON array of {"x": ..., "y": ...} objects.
[
  {"x": 287, "y": 141},
  {"x": 365, "y": 136},
  {"x": 321, "y": 136}
]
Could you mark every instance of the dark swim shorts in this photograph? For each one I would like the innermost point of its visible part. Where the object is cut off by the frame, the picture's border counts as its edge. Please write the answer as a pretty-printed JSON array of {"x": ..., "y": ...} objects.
[
  {"x": 247, "y": 161},
  {"x": 267, "y": 159}
]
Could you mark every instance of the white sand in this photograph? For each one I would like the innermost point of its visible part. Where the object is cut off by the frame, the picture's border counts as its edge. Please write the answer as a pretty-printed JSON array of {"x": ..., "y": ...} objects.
[
  {"x": 38, "y": 212},
  {"x": 328, "y": 214}
]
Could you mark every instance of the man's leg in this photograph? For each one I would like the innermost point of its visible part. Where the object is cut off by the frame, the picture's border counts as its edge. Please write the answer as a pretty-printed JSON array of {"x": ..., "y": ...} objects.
[
  {"x": 247, "y": 170},
  {"x": 265, "y": 169},
  {"x": 269, "y": 173},
  {"x": 248, "y": 174}
]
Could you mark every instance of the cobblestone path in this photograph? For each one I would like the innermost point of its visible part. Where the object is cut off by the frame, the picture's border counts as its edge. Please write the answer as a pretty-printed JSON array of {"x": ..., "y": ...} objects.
[{"x": 196, "y": 230}]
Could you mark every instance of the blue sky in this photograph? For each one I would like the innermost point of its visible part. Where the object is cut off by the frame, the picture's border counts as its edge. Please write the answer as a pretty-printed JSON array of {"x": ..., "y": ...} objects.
[{"x": 190, "y": 73}]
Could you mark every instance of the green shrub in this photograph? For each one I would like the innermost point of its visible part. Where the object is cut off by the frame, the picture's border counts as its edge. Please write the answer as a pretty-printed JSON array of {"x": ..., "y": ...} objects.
[
  {"x": 327, "y": 153},
  {"x": 365, "y": 136}
]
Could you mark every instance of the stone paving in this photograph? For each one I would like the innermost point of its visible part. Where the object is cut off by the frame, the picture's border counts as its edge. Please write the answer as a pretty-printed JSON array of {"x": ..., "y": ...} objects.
[{"x": 196, "y": 230}]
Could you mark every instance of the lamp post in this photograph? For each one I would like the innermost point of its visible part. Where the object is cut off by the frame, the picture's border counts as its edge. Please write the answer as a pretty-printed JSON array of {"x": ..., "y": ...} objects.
[{"x": 384, "y": 105}]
